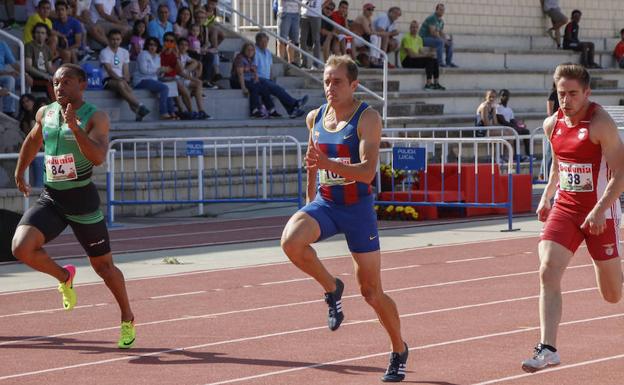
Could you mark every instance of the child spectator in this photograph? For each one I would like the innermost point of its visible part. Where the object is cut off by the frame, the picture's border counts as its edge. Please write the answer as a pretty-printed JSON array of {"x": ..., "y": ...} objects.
[
  {"x": 115, "y": 61},
  {"x": 216, "y": 34},
  {"x": 618, "y": 52},
  {"x": 486, "y": 112},
  {"x": 411, "y": 56},
  {"x": 183, "y": 22},
  {"x": 193, "y": 39},
  {"x": 505, "y": 117},
  {"x": 340, "y": 15},
  {"x": 138, "y": 38},
  {"x": 146, "y": 77},
  {"x": 69, "y": 33},
  {"x": 191, "y": 73},
  {"x": 571, "y": 41}
]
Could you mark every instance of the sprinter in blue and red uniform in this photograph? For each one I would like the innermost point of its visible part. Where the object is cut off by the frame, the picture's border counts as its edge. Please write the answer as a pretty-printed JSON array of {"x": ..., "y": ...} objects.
[{"x": 341, "y": 161}]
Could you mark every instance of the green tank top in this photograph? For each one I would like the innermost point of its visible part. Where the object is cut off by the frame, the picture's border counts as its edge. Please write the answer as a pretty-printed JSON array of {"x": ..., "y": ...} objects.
[{"x": 66, "y": 166}]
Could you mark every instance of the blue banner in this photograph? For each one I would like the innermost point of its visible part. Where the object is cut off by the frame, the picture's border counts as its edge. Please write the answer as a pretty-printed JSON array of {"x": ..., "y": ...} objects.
[
  {"x": 194, "y": 148},
  {"x": 408, "y": 158}
]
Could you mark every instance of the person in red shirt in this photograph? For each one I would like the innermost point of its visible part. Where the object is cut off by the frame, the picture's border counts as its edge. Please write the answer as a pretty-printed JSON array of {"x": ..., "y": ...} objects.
[
  {"x": 586, "y": 180},
  {"x": 340, "y": 15},
  {"x": 618, "y": 52}
]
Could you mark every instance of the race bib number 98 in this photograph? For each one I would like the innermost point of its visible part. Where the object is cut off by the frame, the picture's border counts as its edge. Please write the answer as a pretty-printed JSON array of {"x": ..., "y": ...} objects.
[
  {"x": 576, "y": 177},
  {"x": 60, "y": 168},
  {"x": 328, "y": 178}
]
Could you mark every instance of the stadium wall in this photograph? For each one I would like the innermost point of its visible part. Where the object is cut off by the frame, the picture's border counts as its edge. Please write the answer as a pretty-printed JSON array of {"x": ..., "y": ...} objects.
[{"x": 601, "y": 18}]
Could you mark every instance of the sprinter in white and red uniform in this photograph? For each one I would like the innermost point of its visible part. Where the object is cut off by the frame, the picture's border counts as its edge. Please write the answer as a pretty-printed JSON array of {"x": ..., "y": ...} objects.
[{"x": 586, "y": 180}]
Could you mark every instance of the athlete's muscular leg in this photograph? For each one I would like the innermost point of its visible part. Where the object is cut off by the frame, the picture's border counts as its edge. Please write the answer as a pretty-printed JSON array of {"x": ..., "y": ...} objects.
[
  {"x": 27, "y": 246},
  {"x": 609, "y": 279},
  {"x": 114, "y": 279},
  {"x": 368, "y": 272},
  {"x": 300, "y": 231},
  {"x": 554, "y": 258}
]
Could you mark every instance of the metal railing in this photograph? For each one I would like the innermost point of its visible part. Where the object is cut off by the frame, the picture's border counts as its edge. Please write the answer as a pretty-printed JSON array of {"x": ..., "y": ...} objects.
[
  {"x": 417, "y": 185},
  {"x": 20, "y": 44},
  {"x": 182, "y": 171},
  {"x": 242, "y": 22}
]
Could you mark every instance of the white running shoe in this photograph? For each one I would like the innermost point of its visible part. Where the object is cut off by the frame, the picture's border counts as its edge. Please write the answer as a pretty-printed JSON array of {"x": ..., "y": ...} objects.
[{"x": 542, "y": 358}]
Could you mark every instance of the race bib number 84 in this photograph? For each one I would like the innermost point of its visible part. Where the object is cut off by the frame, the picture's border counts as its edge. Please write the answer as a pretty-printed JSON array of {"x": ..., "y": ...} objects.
[
  {"x": 60, "y": 168},
  {"x": 576, "y": 177},
  {"x": 329, "y": 178}
]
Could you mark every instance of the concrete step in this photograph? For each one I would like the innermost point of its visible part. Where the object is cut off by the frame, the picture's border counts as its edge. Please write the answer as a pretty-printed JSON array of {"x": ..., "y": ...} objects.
[
  {"x": 600, "y": 83},
  {"x": 517, "y": 42}
]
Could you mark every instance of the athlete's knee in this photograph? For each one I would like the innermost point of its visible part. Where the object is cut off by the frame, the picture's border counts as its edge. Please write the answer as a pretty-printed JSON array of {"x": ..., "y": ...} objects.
[
  {"x": 372, "y": 294},
  {"x": 21, "y": 249},
  {"x": 104, "y": 267}
]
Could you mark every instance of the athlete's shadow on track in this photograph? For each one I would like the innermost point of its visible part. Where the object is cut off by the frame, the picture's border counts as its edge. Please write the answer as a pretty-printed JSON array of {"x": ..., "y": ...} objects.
[{"x": 183, "y": 357}]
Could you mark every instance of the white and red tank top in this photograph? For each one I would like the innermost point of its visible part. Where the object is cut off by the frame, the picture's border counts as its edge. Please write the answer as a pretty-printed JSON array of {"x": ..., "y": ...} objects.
[{"x": 583, "y": 171}]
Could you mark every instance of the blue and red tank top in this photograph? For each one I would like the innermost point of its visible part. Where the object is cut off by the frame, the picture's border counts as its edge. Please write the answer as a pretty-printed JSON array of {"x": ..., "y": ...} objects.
[
  {"x": 583, "y": 170},
  {"x": 342, "y": 145}
]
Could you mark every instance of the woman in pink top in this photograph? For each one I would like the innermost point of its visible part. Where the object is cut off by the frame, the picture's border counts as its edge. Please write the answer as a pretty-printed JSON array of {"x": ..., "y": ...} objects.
[
  {"x": 137, "y": 40},
  {"x": 183, "y": 23}
]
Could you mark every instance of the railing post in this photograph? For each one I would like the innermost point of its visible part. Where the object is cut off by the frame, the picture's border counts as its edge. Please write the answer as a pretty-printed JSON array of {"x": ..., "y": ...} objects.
[
  {"x": 236, "y": 8},
  {"x": 264, "y": 172},
  {"x": 200, "y": 183}
]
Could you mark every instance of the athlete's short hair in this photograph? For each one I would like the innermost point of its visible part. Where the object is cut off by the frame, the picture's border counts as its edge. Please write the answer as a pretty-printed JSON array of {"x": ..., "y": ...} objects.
[
  {"x": 572, "y": 71},
  {"x": 75, "y": 70},
  {"x": 347, "y": 62}
]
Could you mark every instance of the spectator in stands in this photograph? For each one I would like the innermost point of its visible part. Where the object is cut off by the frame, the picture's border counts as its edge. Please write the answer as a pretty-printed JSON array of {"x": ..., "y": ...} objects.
[
  {"x": 363, "y": 27},
  {"x": 340, "y": 16},
  {"x": 69, "y": 34},
  {"x": 169, "y": 58},
  {"x": 505, "y": 117},
  {"x": 571, "y": 41},
  {"x": 288, "y": 18},
  {"x": 332, "y": 41},
  {"x": 31, "y": 6},
  {"x": 193, "y": 39},
  {"x": 557, "y": 18},
  {"x": 9, "y": 10},
  {"x": 146, "y": 76},
  {"x": 311, "y": 31},
  {"x": 42, "y": 16},
  {"x": 194, "y": 6},
  {"x": 412, "y": 56},
  {"x": 159, "y": 27},
  {"x": 190, "y": 72},
  {"x": 432, "y": 32},
  {"x": 552, "y": 104},
  {"x": 115, "y": 61},
  {"x": 216, "y": 34},
  {"x": 38, "y": 60},
  {"x": 174, "y": 7},
  {"x": 209, "y": 55},
  {"x": 486, "y": 112},
  {"x": 245, "y": 77},
  {"x": 385, "y": 30},
  {"x": 183, "y": 22},
  {"x": 618, "y": 52},
  {"x": 104, "y": 17},
  {"x": 136, "y": 10},
  {"x": 29, "y": 105},
  {"x": 81, "y": 10},
  {"x": 9, "y": 77},
  {"x": 138, "y": 38},
  {"x": 263, "y": 60}
]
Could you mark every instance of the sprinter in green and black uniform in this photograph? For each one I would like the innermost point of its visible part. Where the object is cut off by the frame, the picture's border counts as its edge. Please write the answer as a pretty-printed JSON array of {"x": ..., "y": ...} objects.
[{"x": 75, "y": 138}]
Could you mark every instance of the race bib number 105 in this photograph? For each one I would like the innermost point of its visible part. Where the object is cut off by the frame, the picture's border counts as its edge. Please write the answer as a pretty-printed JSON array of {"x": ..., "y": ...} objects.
[
  {"x": 60, "y": 168},
  {"x": 329, "y": 178},
  {"x": 576, "y": 177}
]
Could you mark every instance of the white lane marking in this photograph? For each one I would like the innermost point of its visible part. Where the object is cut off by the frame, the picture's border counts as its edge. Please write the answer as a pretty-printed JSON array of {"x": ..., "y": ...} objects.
[
  {"x": 285, "y": 281},
  {"x": 48, "y": 311},
  {"x": 170, "y": 235},
  {"x": 400, "y": 267},
  {"x": 435, "y": 345},
  {"x": 469, "y": 259},
  {"x": 555, "y": 369},
  {"x": 208, "y": 271},
  {"x": 297, "y": 331},
  {"x": 178, "y": 294}
]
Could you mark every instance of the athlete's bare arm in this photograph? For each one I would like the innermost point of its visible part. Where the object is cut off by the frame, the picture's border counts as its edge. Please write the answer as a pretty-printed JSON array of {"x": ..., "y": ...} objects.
[
  {"x": 543, "y": 208},
  {"x": 604, "y": 132},
  {"x": 93, "y": 141},
  {"x": 369, "y": 130},
  {"x": 28, "y": 152},
  {"x": 311, "y": 169}
]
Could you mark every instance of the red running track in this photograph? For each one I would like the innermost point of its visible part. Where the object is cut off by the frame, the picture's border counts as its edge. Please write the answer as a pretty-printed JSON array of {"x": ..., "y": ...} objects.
[{"x": 468, "y": 312}]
